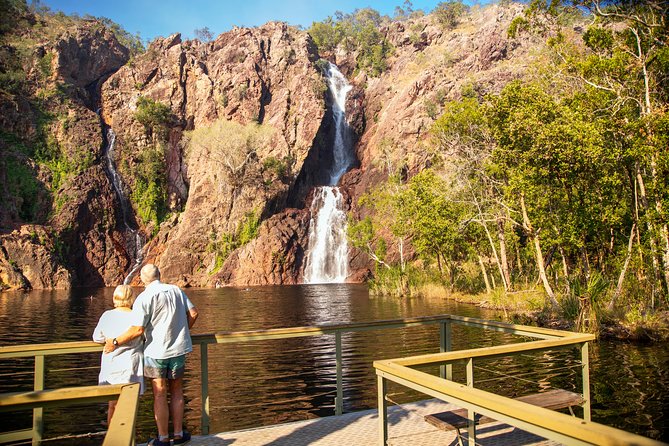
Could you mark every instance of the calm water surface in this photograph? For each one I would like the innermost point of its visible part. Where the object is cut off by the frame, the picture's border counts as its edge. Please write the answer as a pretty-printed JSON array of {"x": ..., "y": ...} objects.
[{"x": 268, "y": 382}]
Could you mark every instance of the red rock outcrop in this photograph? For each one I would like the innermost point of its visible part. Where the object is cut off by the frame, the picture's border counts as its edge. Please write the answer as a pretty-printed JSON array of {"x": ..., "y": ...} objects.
[
  {"x": 29, "y": 259},
  {"x": 75, "y": 241},
  {"x": 429, "y": 67},
  {"x": 264, "y": 75}
]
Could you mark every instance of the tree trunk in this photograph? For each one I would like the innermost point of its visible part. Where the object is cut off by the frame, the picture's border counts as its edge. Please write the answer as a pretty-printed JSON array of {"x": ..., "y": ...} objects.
[
  {"x": 621, "y": 278},
  {"x": 494, "y": 253},
  {"x": 485, "y": 275},
  {"x": 502, "y": 254},
  {"x": 539, "y": 255},
  {"x": 651, "y": 229},
  {"x": 519, "y": 261},
  {"x": 565, "y": 270}
]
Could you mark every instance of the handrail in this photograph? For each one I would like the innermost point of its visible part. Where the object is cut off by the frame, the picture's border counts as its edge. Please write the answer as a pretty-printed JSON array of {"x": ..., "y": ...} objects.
[
  {"x": 122, "y": 427},
  {"x": 543, "y": 339},
  {"x": 540, "y": 421},
  {"x": 545, "y": 422},
  {"x": 59, "y": 348},
  {"x": 121, "y": 430}
]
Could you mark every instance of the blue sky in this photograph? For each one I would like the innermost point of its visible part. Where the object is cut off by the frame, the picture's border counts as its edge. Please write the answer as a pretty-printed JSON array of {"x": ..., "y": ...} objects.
[{"x": 161, "y": 18}]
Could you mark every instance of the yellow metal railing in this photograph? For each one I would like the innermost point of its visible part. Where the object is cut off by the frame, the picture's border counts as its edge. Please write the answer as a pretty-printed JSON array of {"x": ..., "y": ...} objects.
[
  {"x": 399, "y": 370},
  {"x": 543, "y": 422},
  {"x": 121, "y": 429}
]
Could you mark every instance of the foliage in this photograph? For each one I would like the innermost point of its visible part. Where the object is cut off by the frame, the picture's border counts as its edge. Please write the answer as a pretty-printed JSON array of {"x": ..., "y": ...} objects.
[
  {"x": 448, "y": 13},
  {"x": 231, "y": 146},
  {"x": 357, "y": 32},
  {"x": 153, "y": 115},
  {"x": 12, "y": 13},
  {"x": 222, "y": 246},
  {"x": 204, "y": 34},
  {"x": 22, "y": 185},
  {"x": 566, "y": 176},
  {"x": 131, "y": 41},
  {"x": 149, "y": 191}
]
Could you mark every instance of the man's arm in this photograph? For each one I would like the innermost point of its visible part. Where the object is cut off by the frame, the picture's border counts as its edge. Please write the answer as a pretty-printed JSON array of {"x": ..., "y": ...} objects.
[
  {"x": 131, "y": 333},
  {"x": 192, "y": 317}
]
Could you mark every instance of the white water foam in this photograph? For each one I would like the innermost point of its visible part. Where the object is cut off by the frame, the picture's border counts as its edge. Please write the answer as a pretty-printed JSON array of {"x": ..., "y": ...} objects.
[{"x": 327, "y": 251}]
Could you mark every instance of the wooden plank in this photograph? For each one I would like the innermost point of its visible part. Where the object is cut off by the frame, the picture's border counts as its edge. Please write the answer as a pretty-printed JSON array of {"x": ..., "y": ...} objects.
[{"x": 553, "y": 399}]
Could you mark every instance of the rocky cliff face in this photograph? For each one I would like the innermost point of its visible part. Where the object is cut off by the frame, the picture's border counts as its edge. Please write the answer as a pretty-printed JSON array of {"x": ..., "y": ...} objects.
[
  {"x": 75, "y": 240},
  {"x": 261, "y": 81},
  {"x": 265, "y": 76},
  {"x": 430, "y": 66}
]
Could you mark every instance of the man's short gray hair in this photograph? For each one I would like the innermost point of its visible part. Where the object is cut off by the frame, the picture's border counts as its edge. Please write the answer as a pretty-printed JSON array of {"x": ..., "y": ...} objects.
[{"x": 149, "y": 273}]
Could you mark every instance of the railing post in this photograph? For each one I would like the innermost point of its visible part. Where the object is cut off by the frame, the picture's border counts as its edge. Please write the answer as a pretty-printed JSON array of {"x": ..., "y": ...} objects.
[
  {"x": 471, "y": 424},
  {"x": 204, "y": 377},
  {"x": 339, "y": 399},
  {"x": 585, "y": 364},
  {"x": 38, "y": 413},
  {"x": 445, "y": 371},
  {"x": 383, "y": 410}
]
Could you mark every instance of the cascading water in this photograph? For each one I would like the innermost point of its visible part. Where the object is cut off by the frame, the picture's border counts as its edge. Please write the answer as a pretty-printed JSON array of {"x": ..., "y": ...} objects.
[
  {"x": 133, "y": 236},
  {"x": 327, "y": 252}
]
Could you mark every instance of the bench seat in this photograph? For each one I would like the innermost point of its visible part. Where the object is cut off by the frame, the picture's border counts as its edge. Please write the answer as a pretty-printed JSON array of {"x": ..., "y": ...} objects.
[{"x": 553, "y": 399}]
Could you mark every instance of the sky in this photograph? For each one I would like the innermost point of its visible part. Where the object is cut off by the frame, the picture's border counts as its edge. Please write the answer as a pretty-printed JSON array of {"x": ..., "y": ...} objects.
[{"x": 153, "y": 18}]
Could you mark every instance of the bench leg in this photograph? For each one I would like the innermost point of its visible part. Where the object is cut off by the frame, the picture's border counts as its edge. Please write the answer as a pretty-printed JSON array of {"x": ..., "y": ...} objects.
[{"x": 383, "y": 410}]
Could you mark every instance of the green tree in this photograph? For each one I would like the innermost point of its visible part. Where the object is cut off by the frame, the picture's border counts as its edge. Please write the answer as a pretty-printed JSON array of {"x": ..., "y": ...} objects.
[
  {"x": 623, "y": 63},
  {"x": 153, "y": 115},
  {"x": 448, "y": 14},
  {"x": 357, "y": 32}
]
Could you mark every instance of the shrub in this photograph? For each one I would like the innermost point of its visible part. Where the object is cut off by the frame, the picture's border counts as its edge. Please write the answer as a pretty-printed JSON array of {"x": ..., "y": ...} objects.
[
  {"x": 357, "y": 32},
  {"x": 149, "y": 193},
  {"x": 153, "y": 115},
  {"x": 23, "y": 186},
  {"x": 448, "y": 13},
  {"x": 224, "y": 245}
]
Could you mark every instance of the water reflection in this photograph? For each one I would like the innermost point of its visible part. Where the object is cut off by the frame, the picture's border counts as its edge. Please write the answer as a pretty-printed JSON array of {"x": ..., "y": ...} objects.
[{"x": 267, "y": 382}]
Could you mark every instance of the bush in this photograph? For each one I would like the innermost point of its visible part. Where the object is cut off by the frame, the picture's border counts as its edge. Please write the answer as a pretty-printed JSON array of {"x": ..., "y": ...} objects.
[
  {"x": 149, "y": 193},
  {"x": 153, "y": 115},
  {"x": 448, "y": 13},
  {"x": 224, "y": 245},
  {"x": 23, "y": 186},
  {"x": 357, "y": 32}
]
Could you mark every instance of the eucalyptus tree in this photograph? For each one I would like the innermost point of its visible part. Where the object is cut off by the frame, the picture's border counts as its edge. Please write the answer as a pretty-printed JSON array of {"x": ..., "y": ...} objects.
[
  {"x": 624, "y": 61},
  {"x": 464, "y": 143}
]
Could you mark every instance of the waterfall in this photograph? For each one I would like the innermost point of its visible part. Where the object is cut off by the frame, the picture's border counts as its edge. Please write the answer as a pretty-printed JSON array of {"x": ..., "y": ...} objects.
[
  {"x": 328, "y": 248},
  {"x": 133, "y": 237},
  {"x": 341, "y": 149},
  {"x": 327, "y": 251}
]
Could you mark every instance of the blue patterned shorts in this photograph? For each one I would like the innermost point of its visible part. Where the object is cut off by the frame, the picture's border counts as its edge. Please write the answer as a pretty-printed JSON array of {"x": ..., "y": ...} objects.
[{"x": 171, "y": 368}]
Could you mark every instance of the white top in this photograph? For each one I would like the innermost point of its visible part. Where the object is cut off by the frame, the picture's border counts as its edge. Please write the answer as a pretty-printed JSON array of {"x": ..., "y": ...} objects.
[
  {"x": 126, "y": 363},
  {"x": 162, "y": 310}
]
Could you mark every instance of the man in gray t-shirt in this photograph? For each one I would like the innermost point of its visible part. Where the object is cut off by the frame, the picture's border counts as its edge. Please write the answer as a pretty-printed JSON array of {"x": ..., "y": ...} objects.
[{"x": 167, "y": 316}]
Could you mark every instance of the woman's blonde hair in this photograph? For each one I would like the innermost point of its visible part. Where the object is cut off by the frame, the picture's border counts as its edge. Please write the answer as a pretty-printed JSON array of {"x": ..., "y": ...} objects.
[{"x": 123, "y": 296}]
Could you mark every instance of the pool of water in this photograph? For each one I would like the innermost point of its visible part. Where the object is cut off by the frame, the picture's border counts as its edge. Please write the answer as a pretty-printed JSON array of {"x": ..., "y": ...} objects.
[{"x": 267, "y": 382}]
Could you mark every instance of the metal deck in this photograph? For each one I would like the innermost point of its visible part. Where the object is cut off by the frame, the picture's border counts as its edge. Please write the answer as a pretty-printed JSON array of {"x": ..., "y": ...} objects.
[{"x": 407, "y": 426}]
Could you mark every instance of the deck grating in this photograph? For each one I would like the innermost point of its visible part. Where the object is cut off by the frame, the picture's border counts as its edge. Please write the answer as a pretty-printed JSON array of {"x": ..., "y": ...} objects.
[{"x": 407, "y": 426}]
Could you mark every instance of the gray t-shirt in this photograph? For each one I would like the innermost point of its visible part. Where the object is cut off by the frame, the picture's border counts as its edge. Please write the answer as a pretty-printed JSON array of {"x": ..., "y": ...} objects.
[{"x": 163, "y": 309}]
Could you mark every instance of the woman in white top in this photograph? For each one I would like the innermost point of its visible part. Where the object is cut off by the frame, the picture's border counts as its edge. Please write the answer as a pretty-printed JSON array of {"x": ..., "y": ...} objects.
[{"x": 126, "y": 363}]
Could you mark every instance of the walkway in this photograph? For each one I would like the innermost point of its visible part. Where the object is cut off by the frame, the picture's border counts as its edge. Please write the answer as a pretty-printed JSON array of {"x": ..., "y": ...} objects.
[{"x": 406, "y": 427}]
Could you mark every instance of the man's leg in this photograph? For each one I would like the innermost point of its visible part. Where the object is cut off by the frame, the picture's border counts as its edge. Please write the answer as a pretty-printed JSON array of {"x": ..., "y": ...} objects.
[
  {"x": 177, "y": 403},
  {"x": 160, "y": 408},
  {"x": 110, "y": 413}
]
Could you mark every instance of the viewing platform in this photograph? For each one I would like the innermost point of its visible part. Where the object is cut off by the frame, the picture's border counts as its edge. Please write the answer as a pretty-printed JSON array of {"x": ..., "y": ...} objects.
[{"x": 451, "y": 407}]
